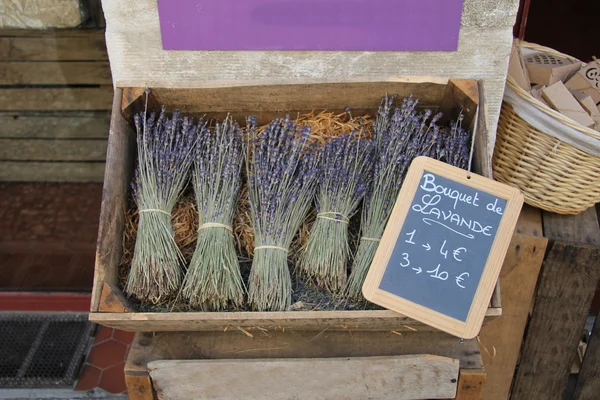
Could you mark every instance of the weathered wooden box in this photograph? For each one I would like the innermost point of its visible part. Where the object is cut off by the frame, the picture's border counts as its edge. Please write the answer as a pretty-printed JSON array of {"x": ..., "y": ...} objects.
[{"x": 109, "y": 306}]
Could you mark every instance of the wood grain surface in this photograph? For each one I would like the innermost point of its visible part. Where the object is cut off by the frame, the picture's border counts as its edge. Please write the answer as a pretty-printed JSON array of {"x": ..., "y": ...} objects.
[
  {"x": 567, "y": 285},
  {"x": 501, "y": 338},
  {"x": 57, "y": 125},
  {"x": 55, "y": 73},
  {"x": 388, "y": 377},
  {"x": 56, "y": 99}
]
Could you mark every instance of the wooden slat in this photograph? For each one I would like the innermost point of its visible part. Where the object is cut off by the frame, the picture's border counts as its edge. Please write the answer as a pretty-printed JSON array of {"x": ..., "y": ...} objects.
[
  {"x": 217, "y": 321},
  {"x": 113, "y": 300},
  {"x": 119, "y": 170},
  {"x": 501, "y": 338},
  {"x": 53, "y": 150},
  {"x": 53, "y": 33},
  {"x": 89, "y": 47},
  {"x": 471, "y": 383},
  {"x": 51, "y": 99},
  {"x": 566, "y": 288},
  {"x": 237, "y": 344},
  {"x": 482, "y": 155},
  {"x": 579, "y": 229},
  {"x": 55, "y": 73},
  {"x": 588, "y": 383},
  {"x": 297, "y": 97},
  {"x": 67, "y": 125},
  {"x": 19, "y": 171},
  {"x": 392, "y": 377},
  {"x": 139, "y": 387}
]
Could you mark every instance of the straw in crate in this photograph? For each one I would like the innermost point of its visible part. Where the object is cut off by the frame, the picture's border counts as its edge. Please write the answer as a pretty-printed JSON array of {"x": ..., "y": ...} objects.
[{"x": 552, "y": 159}]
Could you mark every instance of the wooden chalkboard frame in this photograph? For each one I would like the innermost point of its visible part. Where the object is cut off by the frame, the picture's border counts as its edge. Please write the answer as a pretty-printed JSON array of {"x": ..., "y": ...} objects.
[{"x": 470, "y": 328}]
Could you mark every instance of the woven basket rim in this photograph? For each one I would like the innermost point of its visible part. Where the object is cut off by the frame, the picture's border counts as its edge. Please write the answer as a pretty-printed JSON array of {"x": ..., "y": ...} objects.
[{"x": 541, "y": 106}]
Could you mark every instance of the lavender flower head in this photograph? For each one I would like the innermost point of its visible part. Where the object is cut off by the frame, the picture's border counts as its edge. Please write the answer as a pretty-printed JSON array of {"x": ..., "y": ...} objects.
[
  {"x": 346, "y": 172},
  {"x": 165, "y": 149},
  {"x": 401, "y": 135},
  {"x": 282, "y": 178},
  {"x": 213, "y": 280}
]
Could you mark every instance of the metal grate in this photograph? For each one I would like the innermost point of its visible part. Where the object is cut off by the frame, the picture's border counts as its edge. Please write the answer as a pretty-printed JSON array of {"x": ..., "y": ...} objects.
[{"x": 42, "y": 350}]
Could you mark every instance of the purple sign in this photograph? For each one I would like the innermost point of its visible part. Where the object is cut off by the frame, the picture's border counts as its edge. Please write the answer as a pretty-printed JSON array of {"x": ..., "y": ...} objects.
[{"x": 399, "y": 25}]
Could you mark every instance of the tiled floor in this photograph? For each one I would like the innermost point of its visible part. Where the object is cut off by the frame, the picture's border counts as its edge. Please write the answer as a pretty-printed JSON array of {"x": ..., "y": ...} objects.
[{"x": 103, "y": 367}]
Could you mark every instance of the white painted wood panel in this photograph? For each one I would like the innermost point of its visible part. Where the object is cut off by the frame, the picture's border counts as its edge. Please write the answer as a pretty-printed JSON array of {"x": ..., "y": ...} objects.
[{"x": 137, "y": 58}]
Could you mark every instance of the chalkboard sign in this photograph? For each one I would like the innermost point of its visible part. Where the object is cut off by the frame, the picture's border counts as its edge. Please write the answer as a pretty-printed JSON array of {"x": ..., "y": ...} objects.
[{"x": 441, "y": 253}]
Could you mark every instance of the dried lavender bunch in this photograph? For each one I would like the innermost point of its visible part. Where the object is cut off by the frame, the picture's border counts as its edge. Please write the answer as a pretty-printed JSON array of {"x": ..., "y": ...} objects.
[
  {"x": 400, "y": 136},
  {"x": 346, "y": 171},
  {"x": 213, "y": 280},
  {"x": 282, "y": 178},
  {"x": 165, "y": 153},
  {"x": 456, "y": 145}
]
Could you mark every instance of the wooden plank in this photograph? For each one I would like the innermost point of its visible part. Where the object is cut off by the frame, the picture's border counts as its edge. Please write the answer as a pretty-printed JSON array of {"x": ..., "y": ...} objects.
[
  {"x": 501, "y": 338},
  {"x": 482, "y": 153},
  {"x": 52, "y": 149},
  {"x": 218, "y": 321},
  {"x": 113, "y": 300},
  {"x": 89, "y": 47},
  {"x": 471, "y": 383},
  {"x": 588, "y": 383},
  {"x": 26, "y": 171},
  {"x": 530, "y": 222},
  {"x": 301, "y": 96},
  {"x": 66, "y": 125},
  {"x": 51, "y": 99},
  {"x": 53, "y": 33},
  {"x": 119, "y": 171},
  {"x": 139, "y": 386},
  {"x": 392, "y": 377},
  {"x": 579, "y": 229},
  {"x": 237, "y": 343},
  {"x": 566, "y": 288},
  {"x": 55, "y": 73}
]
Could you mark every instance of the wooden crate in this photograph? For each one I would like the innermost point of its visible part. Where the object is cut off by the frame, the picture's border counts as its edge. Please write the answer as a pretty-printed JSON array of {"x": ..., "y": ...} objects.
[{"x": 109, "y": 306}]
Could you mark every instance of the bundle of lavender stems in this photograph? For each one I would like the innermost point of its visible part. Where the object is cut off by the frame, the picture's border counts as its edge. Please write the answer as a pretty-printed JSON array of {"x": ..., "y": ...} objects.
[
  {"x": 282, "y": 174},
  {"x": 400, "y": 135},
  {"x": 345, "y": 172},
  {"x": 213, "y": 280},
  {"x": 165, "y": 148}
]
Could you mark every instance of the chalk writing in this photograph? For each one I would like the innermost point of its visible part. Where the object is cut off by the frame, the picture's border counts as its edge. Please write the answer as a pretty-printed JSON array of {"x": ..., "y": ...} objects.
[{"x": 447, "y": 233}]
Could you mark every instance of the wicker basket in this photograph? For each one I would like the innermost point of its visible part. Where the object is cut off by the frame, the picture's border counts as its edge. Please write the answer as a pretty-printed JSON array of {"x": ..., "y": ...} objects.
[{"x": 552, "y": 175}]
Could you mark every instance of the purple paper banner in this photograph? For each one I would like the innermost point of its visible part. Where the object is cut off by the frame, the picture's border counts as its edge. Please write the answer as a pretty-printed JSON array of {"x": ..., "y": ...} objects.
[{"x": 399, "y": 25}]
